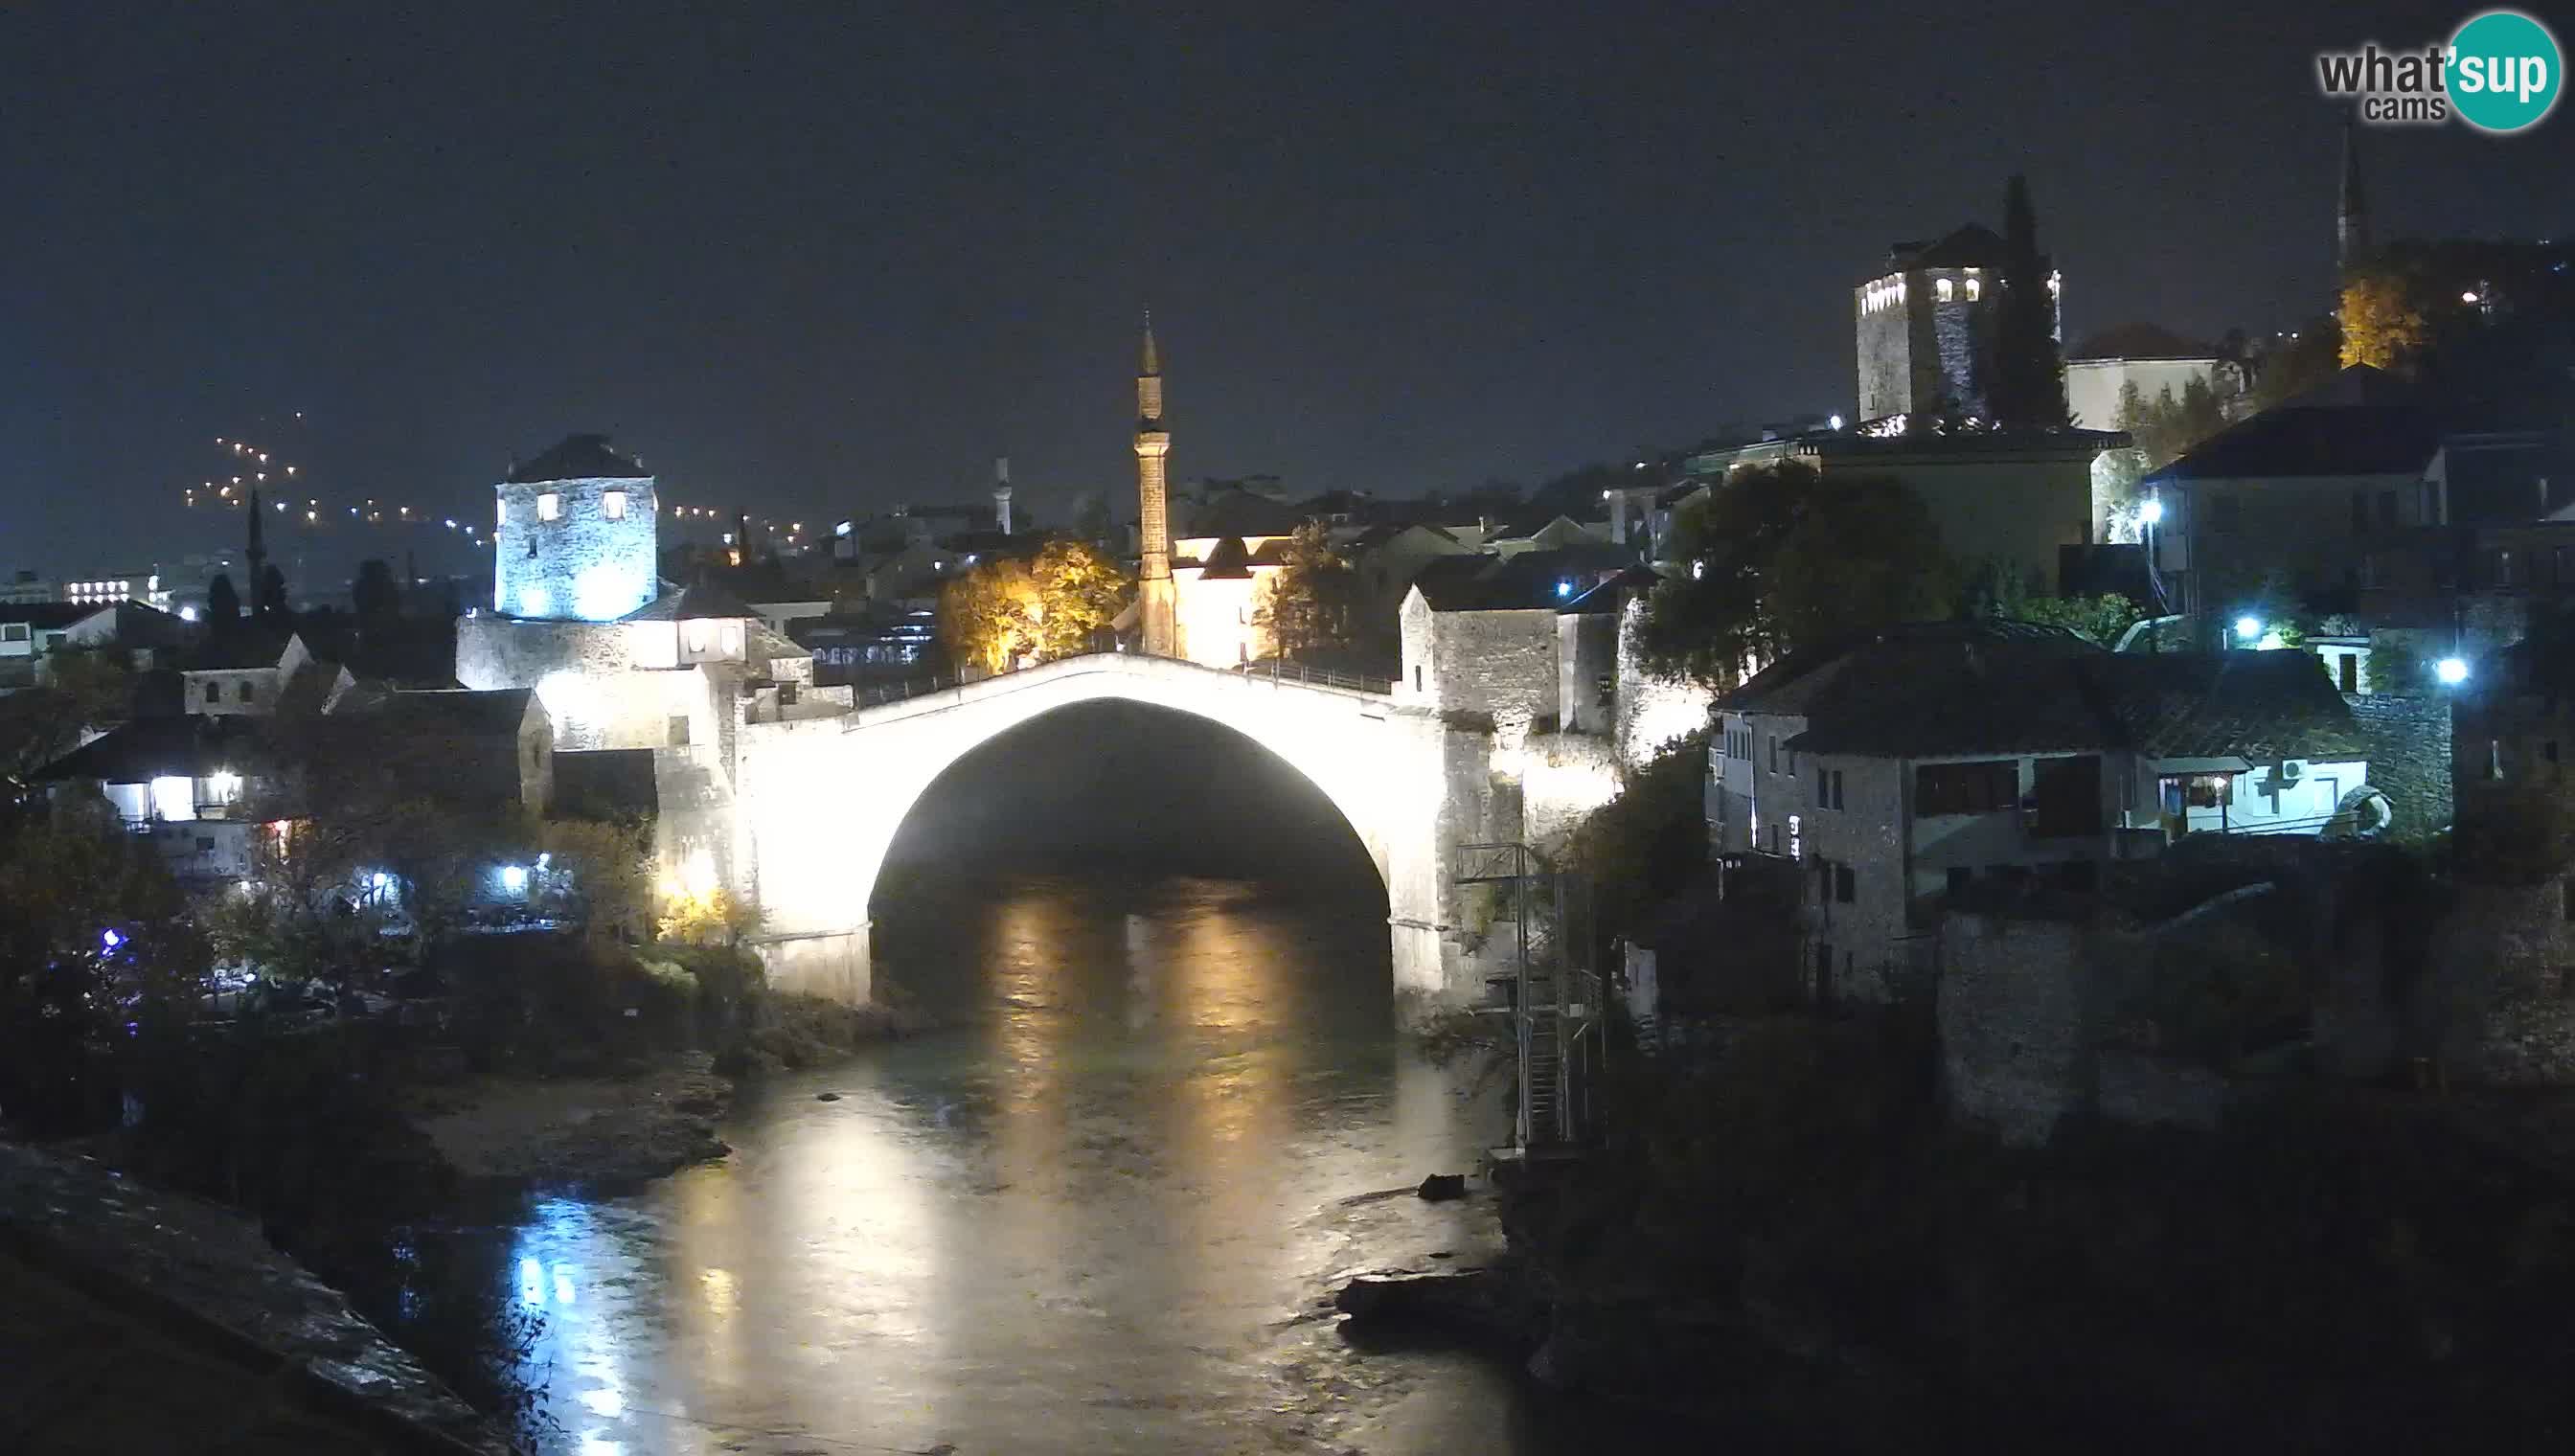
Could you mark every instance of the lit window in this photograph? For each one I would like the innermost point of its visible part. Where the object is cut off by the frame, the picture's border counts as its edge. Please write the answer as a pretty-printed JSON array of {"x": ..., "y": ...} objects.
[
  {"x": 612, "y": 505},
  {"x": 1947, "y": 290},
  {"x": 697, "y": 636},
  {"x": 1975, "y": 289},
  {"x": 502, "y": 515},
  {"x": 549, "y": 506}
]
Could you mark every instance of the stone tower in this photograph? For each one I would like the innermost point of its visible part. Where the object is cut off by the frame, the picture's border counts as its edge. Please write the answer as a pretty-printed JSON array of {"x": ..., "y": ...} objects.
[
  {"x": 1156, "y": 601},
  {"x": 1929, "y": 324},
  {"x": 576, "y": 536},
  {"x": 1001, "y": 495},
  {"x": 2351, "y": 213}
]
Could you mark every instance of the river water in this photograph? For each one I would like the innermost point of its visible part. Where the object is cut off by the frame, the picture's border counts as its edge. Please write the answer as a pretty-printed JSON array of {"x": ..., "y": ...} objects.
[{"x": 1103, "y": 1210}]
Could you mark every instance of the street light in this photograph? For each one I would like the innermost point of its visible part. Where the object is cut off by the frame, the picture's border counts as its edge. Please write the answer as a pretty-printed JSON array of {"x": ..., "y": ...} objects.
[
  {"x": 2151, "y": 513},
  {"x": 2248, "y": 627},
  {"x": 2451, "y": 671}
]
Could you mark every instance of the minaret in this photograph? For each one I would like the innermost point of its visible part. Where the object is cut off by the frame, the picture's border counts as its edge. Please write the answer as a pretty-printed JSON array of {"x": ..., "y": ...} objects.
[
  {"x": 1001, "y": 495},
  {"x": 2351, "y": 217},
  {"x": 1156, "y": 601}
]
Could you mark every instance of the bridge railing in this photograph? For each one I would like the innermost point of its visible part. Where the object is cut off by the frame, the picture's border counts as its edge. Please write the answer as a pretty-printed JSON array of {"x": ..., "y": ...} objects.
[
  {"x": 878, "y": 695},
  {"x": 1278, "y": 672}
]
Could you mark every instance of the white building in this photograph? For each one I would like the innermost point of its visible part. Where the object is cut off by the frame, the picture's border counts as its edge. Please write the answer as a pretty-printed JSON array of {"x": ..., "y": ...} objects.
[{"x": 2157, "y": 362}]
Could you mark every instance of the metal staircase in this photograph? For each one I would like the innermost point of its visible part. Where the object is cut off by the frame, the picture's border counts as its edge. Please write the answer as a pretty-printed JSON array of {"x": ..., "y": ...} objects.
[{"x": 1551, "y": 997}]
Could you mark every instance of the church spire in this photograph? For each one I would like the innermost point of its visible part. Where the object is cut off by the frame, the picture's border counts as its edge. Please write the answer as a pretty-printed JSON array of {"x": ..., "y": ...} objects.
[
  {"x": 257, "y": 554},
  {"x": 2351, "y": 214}
]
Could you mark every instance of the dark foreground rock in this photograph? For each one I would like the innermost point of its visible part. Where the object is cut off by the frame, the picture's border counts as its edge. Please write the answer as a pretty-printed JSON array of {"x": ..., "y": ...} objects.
[
  {"x": 137, "y": 1319},
  {"x": 579, "y": 1130}
]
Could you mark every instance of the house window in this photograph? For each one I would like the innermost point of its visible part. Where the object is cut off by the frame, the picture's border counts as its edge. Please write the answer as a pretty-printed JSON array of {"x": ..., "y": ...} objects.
[
  {"x": 13, "y": 631},
  {"x": 249, "y": 692},
  {"x": 1946, "y": 290},
  {"x": 214, "y": 692},
  {"x": 612, "y": 505},
  {"x": 1417, "y": 678},
  {"x": 1967, "y": 789},
  {"x": 1845, "y": 884},
  {"x": 1961, "y": 876},
  {"x": 1837, "y": 788},
  {"x": 1775, "y": 752},
  {"x": 549, "y": 506},
  {"x": 1605, "y": 691},
  {"x": 2065, "y": 797},
  {"x": 2198, "y": 791},
  {"x": 1975, "y": 289},
  {"x": 679, "y": 731}
]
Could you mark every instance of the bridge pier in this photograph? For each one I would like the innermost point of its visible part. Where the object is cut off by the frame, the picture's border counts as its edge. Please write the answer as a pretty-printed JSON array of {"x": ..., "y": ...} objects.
[{"x": 835, "y": 966}]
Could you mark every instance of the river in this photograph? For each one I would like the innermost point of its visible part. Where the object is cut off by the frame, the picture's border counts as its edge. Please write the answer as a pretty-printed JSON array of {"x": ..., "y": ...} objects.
[{"x": 1103, "y": 1209}]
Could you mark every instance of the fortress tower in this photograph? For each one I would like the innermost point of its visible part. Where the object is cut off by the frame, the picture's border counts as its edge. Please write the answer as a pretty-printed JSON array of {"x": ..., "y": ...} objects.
[
  {"x": 576, "y": 536},
  {"x": 1157, "y": 600}
]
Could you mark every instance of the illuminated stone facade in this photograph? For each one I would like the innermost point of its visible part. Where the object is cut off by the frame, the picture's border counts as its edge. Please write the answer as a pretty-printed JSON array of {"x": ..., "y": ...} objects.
[
  {"x": 575, "y": 536},
  {"x": 1925, "y": 326}
]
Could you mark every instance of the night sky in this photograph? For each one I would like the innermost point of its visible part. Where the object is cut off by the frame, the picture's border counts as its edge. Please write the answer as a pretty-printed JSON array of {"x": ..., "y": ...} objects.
[{"x": 815, "y": 258}]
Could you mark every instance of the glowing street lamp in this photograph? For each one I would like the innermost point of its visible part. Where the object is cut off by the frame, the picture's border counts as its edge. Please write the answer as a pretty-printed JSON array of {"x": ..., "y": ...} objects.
[
  {"x": 2451, "y": 671},
  {"x": 2151, "y": 513},
  {"x": 2249, "y": 629}
]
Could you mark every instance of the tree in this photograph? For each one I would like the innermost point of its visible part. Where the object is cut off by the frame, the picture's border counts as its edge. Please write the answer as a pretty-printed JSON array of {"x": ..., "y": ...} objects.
[
  {"x": 1776, "y": 558},
  {"x": 987, "y": 616},
  {"x": 2382, "y": 322},
  {"x": 605, "y": 869},
  {"x": 1090, "y": 519},
  {"x": 2002, "y": 591},
  {"x": 712, "y": 916},
  {"x": 2165, "y": 428},
  {"x": 374, "y": 597},
  {"x": 97, "y": 953},
  {"x": 1306, "y": 607},
  {"x": 2309, "y": 359},
  {"x": 2028, "y": 390},
  {"x": 269, "y": 608},
  {"x": 223, "y": 605},
  {"x": 1078, "y": 594}
]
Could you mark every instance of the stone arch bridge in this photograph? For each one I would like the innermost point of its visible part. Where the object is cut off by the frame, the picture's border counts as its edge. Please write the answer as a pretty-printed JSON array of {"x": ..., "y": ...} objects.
[{"x": 817, "y": 801}]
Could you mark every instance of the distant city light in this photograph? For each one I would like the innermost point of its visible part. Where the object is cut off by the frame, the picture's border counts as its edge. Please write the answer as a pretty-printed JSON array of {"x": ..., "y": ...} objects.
[
  {"x": 2451, "y": 671},
  {"x": 2468, "y": 297},
  {"x": 2152, "y": 512},
  {"x": 110, "y": 938},
  {"x": 514, "y": 877},
  {"x": 2248, "y": 627},
  {"x": 1837, "y": 422},
  {"x": 1563, "y": 589},
  {"x": 187, "y": 614}
]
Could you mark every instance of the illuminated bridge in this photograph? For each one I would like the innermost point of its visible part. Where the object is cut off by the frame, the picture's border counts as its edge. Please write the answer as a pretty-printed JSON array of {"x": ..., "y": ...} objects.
[{"x": 817, "y": 801}]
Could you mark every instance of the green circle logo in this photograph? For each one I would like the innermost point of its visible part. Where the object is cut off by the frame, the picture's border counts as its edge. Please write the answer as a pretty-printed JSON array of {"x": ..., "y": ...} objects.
[{"x": 2504, "y": 71}]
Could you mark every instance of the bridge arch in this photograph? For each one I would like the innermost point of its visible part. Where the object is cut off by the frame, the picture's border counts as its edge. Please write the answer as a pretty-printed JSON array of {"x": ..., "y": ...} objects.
[{"x": 817, "y": 801}]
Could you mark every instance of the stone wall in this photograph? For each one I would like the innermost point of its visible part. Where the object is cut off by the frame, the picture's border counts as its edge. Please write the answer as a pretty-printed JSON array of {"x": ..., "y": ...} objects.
[
  {"x": 1586, "y": 653},
  {"x": 2409, "y": 757},
  {"x": 1564, "y": 779},
  {"x": 580, "y": 565},
  {"x": 1499, "y": 665},
  {"x": 2018, "y": 1020},
  {"x": 2501, "y": 974},
  {"x": 1654, "y": 710}
]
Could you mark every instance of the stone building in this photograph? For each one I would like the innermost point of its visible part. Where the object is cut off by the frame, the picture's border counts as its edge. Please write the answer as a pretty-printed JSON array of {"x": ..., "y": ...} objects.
[
  {"x": 673, "y": 673},
  {"x": 1926, "y": 322}
]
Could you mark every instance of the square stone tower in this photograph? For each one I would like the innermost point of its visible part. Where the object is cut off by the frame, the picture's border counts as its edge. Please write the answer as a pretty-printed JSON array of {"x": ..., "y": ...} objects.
[
  {"x": 1926, "y": 325},
  {"x": 577, "y": 536}
]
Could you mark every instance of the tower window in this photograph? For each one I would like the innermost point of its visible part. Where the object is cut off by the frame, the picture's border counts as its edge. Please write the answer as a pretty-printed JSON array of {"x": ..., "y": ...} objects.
[
  {"x": 1947, "y": 290},
  {"x": 612, "y": 505},
  {"x": 1975, "y": 289},
  {"x": 549, "y": 506}
]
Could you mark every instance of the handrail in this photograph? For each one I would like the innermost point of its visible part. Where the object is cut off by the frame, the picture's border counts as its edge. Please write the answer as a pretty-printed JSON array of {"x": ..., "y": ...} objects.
[{"x": 911, "y": 688}]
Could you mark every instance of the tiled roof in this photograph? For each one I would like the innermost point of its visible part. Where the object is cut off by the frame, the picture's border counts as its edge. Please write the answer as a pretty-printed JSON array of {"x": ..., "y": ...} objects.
[
  {"x": 2141, "y": 341},
  {"x": 475, "y": 713},
  {"x": 158, "y": 748},
  {"x": 236, "y": 648},
  {"x": 691, "y": 604},
  {"x": 1955, "y": 688},
  {"x": 579, "y": 458},
  {"x": 45, "y": 615},
  {"x": 2315, "y": 438},
  {"x": 1529, "y": 581}
]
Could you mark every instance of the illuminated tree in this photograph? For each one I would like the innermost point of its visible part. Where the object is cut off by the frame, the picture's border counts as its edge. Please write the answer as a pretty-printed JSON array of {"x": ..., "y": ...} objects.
[
  {"x": 1305, "y": 607},
  {"x": 987, "y": 616},
  {"x": 712, "y": 917},
  {"x": 2165, "y": 428},
  {"x": 1079, "y": 592},
  {"x": 2382, "y": 324}
]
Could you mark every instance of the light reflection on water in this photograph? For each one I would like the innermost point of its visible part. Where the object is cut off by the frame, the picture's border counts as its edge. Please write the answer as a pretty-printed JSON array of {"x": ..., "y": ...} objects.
[{"x": 1098, "y": 1214}]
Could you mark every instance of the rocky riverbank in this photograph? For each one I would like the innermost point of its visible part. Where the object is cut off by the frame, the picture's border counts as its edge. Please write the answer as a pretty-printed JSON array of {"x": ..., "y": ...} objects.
[{"x": 578, "y": 1131}]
